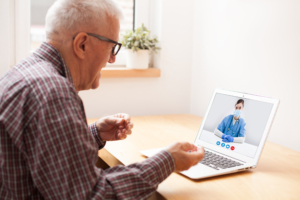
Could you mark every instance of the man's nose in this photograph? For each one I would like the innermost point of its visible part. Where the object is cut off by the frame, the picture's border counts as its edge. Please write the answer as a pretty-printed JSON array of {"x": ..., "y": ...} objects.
[{"x": 112, "y": 59}]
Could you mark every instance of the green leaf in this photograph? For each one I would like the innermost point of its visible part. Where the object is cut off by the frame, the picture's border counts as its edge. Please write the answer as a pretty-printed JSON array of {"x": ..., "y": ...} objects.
[{"x": 139, "y": 39}]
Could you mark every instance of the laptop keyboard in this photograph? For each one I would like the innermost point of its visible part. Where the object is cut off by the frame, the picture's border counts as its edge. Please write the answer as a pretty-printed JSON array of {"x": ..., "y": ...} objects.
[{"x": 218, "y": 162}]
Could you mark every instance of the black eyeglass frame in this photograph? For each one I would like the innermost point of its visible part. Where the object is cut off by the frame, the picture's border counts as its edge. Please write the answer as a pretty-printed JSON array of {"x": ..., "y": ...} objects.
[{"x": 108, "y": 40}]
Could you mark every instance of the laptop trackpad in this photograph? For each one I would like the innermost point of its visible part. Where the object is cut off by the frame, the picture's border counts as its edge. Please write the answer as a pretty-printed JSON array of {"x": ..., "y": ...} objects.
[
  {"x": 151, "y": 152},
  {"x": 200, "y": 171}
]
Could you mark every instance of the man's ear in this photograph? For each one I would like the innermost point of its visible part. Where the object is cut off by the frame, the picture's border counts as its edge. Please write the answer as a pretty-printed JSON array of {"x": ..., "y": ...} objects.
[{"x": 79, "y": 45}]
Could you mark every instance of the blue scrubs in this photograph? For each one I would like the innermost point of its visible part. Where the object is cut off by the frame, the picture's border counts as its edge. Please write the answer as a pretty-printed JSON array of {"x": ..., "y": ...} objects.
[{"x": 236, "y": 130}]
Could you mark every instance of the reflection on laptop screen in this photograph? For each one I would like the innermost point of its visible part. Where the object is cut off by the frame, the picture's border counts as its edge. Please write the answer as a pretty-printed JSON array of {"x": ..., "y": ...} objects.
[{"x": 236, "y": 124}]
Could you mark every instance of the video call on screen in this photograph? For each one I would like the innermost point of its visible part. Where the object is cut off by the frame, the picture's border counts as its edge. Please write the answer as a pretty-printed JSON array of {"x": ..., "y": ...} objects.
[{"x": 236, "y": 124}]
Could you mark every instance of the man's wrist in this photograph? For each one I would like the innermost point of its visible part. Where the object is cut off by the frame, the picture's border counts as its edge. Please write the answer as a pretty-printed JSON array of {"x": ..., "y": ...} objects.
[
  {"x": 96, "y": 134},
  {"x": 162, "y": 164}
]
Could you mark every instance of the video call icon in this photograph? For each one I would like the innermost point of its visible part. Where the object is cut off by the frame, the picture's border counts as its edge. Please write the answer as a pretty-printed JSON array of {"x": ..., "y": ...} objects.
[{"x": 227, "y": 146}]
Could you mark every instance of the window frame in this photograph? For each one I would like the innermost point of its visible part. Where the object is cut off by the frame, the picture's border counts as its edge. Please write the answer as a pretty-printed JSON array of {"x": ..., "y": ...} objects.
[
  {"x": 20, "y": 29},
  {"x": 5, "y": 40}
]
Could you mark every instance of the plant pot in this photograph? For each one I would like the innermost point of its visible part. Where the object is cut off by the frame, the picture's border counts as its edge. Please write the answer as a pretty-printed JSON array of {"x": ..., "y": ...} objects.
[{"x": 138, "y": 59}]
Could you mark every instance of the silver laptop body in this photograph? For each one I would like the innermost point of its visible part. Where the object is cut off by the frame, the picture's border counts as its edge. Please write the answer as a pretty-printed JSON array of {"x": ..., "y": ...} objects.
[{"x": 248, "y": 133}]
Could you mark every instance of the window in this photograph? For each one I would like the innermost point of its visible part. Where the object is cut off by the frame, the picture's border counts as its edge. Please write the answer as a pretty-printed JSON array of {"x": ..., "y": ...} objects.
[
  {"x": 37, "y": 28},
  {"x": 28, "y": 21},
  {"x": 38, "y": 11}
]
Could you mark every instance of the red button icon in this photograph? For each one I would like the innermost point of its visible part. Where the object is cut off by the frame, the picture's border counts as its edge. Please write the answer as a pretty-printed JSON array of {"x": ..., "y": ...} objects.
[{"x": 232, "y": 148}]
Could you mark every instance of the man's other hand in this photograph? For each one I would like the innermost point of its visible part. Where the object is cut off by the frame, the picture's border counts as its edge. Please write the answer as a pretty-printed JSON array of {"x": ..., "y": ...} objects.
[
  {"x": 185, "y": 155},
  {"x": 114, "y": 127}
]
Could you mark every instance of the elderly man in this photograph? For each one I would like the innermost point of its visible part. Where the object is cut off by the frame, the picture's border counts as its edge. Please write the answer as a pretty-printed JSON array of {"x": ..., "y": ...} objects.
[{"x": 47, "y": 150}]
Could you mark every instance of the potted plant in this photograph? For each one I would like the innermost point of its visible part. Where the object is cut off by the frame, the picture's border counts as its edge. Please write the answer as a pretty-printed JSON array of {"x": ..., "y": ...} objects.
[{"x": 138, "y": 45}]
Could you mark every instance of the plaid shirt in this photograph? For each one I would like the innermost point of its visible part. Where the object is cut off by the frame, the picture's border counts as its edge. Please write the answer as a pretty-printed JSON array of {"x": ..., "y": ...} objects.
[{"x": 47, "y": 150}]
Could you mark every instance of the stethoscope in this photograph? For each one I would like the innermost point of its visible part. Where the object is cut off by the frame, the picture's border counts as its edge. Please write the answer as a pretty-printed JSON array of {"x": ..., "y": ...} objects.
[{"x": 228, "y": 125}]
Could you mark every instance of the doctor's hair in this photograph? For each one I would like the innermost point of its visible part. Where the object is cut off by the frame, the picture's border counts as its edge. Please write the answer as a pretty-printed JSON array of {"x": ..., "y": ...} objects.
[
  {"x": 240, "y": 101},
  {"x": 71, "y": 15}
]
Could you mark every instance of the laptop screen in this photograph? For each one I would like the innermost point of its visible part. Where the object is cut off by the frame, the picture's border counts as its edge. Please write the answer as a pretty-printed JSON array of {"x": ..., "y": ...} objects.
[{"x": 236, "y": 124}]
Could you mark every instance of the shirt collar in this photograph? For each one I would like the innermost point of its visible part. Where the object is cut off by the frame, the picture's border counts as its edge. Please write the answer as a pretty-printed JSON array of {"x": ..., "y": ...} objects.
[
  {"x": 51, "y": 54},
  {"x": 236, "y": 119}
]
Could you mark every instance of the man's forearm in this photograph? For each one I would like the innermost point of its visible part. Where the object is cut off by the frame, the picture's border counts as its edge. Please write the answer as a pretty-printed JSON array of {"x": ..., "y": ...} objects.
[{"x": 136, "y": 181}]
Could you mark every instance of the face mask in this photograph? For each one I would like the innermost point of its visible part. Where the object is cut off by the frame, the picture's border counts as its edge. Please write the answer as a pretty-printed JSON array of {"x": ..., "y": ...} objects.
[{"x": 237, "y": 113}]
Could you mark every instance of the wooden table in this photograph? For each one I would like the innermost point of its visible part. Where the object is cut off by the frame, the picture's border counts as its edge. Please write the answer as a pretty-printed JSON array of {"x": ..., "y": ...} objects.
[{"x": 277, "y": 175}]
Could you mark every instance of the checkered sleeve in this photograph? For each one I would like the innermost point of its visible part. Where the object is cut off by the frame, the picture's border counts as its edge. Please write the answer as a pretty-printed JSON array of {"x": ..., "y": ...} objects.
[
  {"x": 62, "y": 162},
  {"x": 139, "y": 180},
  {"x": 93, "y": 130}
]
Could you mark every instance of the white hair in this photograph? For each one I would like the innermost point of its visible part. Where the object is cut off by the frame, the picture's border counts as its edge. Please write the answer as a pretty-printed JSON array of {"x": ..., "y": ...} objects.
[{"x": 69, "y": 15}]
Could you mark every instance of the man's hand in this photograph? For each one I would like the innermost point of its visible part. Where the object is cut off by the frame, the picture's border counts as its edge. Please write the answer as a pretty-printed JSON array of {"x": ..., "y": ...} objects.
[
  {"x": 185, "y": 155},
  {"x": 114, "y": 127}
]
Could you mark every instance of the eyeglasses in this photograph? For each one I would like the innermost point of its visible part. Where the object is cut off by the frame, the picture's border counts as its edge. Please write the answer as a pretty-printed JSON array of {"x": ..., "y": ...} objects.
[{"x": 115, "y": 49}]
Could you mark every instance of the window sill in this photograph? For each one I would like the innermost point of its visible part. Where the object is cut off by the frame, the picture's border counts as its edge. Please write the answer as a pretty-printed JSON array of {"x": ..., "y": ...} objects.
[{"x": 118, "y": 72}]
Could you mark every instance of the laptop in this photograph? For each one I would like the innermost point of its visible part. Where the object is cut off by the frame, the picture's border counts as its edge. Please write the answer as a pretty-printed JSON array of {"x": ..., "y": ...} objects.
[{"x": 248, "y": 130}]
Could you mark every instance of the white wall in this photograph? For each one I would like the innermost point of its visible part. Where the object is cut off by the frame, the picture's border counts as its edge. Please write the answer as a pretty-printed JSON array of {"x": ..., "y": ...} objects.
[
  {"x": 5, "y": 37},
  {"x": 168, "y": 94},
  {"x": 254, "y": 47}
]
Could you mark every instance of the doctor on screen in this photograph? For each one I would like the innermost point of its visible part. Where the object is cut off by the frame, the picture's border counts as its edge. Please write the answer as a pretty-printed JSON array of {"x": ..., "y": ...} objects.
[{"x": 232, "y": 127}]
